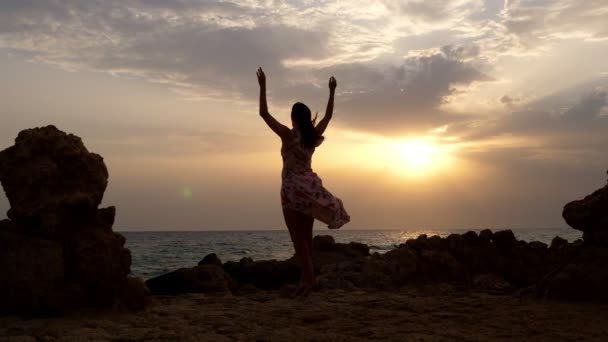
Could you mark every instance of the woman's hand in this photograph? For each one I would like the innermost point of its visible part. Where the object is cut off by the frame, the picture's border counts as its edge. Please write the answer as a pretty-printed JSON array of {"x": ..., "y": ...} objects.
[
  {"x": 332, "y": 84},
  {"x": 261, "y": 77}
]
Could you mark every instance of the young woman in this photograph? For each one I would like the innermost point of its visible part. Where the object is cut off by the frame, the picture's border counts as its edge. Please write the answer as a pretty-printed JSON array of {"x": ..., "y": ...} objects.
[{"x": 303, "y": 196}]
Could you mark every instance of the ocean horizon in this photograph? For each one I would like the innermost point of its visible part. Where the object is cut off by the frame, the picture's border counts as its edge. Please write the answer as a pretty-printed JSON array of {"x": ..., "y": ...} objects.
[{"x": 158, "y": 252}]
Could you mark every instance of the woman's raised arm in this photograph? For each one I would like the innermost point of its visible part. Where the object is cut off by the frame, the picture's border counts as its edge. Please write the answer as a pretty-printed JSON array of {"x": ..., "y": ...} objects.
[
  {"x": 322, "y": 126},
  {"x": 281, "y": 130}
]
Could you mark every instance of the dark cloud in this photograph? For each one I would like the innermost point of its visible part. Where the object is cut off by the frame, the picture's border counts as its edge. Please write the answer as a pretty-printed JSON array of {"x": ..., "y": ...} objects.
[
  {"x": 587, "y": 108},
  {"x": 223, "y": 60},
  {"x": 509, "y": 101},
  {"x": 569, "y": 119},
  {"x": 407, "y": 96}
]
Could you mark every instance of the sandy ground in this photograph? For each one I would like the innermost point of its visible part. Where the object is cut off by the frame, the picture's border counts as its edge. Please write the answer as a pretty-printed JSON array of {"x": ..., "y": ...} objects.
[{"x": 438, "y": 314}]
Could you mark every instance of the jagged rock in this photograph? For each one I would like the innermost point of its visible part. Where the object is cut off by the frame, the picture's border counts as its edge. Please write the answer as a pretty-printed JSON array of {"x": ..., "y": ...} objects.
[
  {"x": 491, "y": 283},
  {"x": 54, "y": 186},
  {"x": 264, "y": 274},
  {"x": 386, "y": 273},
  {"x": 493, "y": 262},
  {"x": 584, "y": 278},
  {"x": 538, "y": 245},
  {"x": 71, "y": 178},
  {"x": 558, "y": 242},
  {"x": 210, "y": 259},
  {"x": 486, "y": 234},
  {"x": 590, "y": 215},
  {"x": 32, "y": 274},
  {"x": 504, "y": 240},
  {"x": 581, "y": 272},
  {"x": 440, "y": 266},
  {"x": 204, "y": 278},
  {"x": 98, "y": 261},
  {"x": 134, "y": 294},
  {"x": 326, "y": 251},
  {"x": 324, "y": 243}
]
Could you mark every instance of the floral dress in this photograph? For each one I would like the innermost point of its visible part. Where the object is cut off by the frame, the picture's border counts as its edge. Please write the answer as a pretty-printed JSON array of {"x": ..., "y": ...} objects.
[{"x": 302, "y": 190}]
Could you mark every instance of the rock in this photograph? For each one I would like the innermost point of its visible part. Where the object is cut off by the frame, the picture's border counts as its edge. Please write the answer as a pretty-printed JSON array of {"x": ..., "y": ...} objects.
[
  {"x": 583, "y": 278},
  {"x": 264, "y": 274},
  {"x": 55, "y": 185},
  {"x": 504, "y": 240},
  {"x": 486, "y": 234},
  {"x": 538, "y": 245},
  {"x": 32, "y": 275},
  {"x": 8, "y": 226},
  {"x": 491, "y": 283},
  {"x": 590, "y": 215},
  {"x": 210, "y": 259},
  {"x": 437, "y": 243},
  {"x": 440, "y": 266},
  {"x": 99, "y": 261},
  {"x": 73, "y": 180},
  {"x": 470, "y": 235},
  {"x": 579, "y": 269},
  {"x": 245, "y": 260},
  {"x": 134, "y": 294},
  {"x": 558, "y": 243},
  {"x": 326, "y": 251},
  {"x": 400, "y": 265},
  {"x": 205, "y": 279},
  {"x": 418, "y": 243},
  {"x": 355, "y": 249},
  {"x": 478, "y": 254},
  {"x": 325, "y": 243}
]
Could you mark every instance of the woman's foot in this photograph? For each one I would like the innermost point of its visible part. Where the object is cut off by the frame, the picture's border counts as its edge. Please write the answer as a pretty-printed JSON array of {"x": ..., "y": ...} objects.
[
  {"x": 298, "y": 290},
  {"x": 305, "y": 288}
]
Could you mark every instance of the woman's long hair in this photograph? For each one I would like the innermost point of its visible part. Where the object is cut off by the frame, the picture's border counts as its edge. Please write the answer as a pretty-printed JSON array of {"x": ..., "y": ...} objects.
[{"x": 300, "y": 113}]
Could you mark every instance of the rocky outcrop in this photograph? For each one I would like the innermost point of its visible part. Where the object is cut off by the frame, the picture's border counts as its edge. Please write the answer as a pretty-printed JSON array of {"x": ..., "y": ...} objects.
[
  {"x": 590, "y": 215},
  {"x": 246, "y": 274},
  {"x": 490, "y": 261},
  {"x": 583, "y": 274},
  {"x": 58, "y": 249},
  {"x": 204, "y": 278}
]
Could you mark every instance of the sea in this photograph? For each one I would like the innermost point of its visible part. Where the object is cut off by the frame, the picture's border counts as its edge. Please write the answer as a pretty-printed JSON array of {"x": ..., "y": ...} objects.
[{"x": 158, "y": 252}]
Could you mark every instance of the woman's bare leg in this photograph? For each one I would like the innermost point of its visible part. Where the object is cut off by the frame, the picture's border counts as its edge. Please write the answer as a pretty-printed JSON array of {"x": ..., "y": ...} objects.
[{"x": 300, "y": 230}]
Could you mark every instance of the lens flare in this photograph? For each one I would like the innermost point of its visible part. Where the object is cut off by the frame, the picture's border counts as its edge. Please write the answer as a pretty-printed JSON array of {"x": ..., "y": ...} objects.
[{"x": 185, "y": 192}]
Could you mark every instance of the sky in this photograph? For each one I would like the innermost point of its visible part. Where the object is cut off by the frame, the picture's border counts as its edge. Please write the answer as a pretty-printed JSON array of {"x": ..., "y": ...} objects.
[{"x": 448, "y": 114}]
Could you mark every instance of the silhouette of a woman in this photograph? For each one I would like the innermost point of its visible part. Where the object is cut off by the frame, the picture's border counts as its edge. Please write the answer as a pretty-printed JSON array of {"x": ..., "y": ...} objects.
[{"x": 303, "y": 196}]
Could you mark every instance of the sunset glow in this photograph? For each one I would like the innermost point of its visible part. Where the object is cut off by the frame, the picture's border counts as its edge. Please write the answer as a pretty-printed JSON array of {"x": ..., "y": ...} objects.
[
  {"x": 418, "y": 154},
  {"x": 463, "y": 107}
]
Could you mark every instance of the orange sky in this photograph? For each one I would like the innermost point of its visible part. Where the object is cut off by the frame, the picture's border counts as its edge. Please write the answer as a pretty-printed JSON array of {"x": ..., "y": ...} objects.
[{"x": 457, "y": 114}]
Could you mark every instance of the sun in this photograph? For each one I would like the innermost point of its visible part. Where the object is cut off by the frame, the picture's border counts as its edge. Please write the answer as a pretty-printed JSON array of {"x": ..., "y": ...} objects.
[
  {"x": 417, "y": 154},
  {"x": 419, "y": 157}
]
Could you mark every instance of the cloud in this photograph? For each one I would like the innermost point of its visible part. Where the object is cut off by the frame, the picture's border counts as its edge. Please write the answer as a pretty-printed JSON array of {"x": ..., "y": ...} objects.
[
  {"x": 538, "y": 21},
  {"x": 211, "y": 48},
  {"x": 408, "y": 96},
  {"x": 436, "y": 13},
  {"x": 569, "y": 120},
  {"x": 509, "y": 101}
]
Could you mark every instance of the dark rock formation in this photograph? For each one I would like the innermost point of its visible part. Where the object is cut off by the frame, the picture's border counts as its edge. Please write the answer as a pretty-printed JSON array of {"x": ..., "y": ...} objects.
[
  {"x": 263, "y": 274},
  {"x": 210, "y": 259},
  {"x": 585, "y": 277},
  {"x": 58, "y": 247},
  {"x": 204, "y": 278},
  {"x": 488, "y": 261},
  {"x": 590, "y": 215},
  {"x": 582, "y": 273}
]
